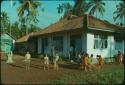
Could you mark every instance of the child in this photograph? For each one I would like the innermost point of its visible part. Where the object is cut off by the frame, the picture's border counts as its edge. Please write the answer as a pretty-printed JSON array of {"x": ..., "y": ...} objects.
[
  {"x": 56, "y": 59},
  {"x": 91, "y": 59},
  {"x": 27, "y": 60},
  {"x": 100, "y": 61},
  {"x": 85, "y": 62},
  {"x": 46, "y": 62},
  {"x": 120, "y": 57}
]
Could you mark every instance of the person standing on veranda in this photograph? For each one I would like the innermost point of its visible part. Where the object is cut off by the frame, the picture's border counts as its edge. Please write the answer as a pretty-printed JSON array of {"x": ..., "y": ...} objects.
[
  {"x": 27, "y": 60},
  {"x": 56, "y": 62}
]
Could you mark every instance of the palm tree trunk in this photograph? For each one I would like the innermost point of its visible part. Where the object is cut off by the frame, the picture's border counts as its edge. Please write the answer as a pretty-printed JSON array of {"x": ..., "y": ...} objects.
[
  {"x": 10, "y": 28},
  {"x": 123, "y": 21},
  {"x": 27, "y": 25},
  {"x": 96, "y": 15}
]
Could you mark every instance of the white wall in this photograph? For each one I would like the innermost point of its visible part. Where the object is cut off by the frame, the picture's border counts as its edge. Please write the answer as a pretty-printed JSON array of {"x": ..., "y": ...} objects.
[{"x": 107, "y": 52}]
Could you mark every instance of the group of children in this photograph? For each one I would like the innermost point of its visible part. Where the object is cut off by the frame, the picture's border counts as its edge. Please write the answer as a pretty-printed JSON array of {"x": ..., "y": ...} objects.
[
  {"x": 85, "y": 61},
  {"x": 46, "y": 61}
]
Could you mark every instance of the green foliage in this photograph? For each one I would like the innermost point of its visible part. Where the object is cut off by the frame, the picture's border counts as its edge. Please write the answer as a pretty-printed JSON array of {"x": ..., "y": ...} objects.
[
  {"x": 78, "y": 9},
  {"x": 67, "y": 8},
  {"x": 96, "y": 6},
  {"x": 27, "y": 12},
  {"x": 119, "y": 14},
  {"x": 110, "y": 76},
  {"x": 4, "y": 21}
]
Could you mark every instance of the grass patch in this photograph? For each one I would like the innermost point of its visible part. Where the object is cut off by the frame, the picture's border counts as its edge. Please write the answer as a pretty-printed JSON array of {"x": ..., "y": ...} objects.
[{"x": 107, "y": 76}]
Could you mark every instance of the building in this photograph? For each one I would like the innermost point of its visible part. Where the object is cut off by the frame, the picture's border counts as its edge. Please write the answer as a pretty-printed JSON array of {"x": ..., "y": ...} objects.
[
  {"x": 7, "y": 42},
  {"x": 79, "y": 34}
]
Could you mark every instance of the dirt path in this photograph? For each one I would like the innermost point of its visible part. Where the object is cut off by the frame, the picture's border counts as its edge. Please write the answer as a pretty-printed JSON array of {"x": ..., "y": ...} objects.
[{"x": 16, "y": 74}]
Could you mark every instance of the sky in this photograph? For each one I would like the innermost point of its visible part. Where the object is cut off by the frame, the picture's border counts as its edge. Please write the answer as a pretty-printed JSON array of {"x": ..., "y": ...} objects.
[{"x": 50, "y": 14}]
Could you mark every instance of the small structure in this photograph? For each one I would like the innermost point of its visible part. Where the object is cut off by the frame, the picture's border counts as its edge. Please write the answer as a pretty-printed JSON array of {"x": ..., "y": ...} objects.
[{"x": 7, "y": 42}]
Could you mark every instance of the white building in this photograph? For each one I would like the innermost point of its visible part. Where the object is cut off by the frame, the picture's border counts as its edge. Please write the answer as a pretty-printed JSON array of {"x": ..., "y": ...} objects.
[{"x": 85, "y": 33}]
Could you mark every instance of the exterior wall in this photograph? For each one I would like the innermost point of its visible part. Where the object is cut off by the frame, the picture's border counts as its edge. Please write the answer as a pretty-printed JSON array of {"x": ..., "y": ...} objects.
[
  {"x": 87, "y": 45},
  {"x": 107, "y": 52},
  {"x": 119, "y": 46}
]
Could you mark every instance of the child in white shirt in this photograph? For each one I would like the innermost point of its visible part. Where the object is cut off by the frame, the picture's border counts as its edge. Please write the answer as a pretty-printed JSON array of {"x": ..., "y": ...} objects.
[
  {"x": 27, "y": 59},
  {"x": 46, "y": 62}
]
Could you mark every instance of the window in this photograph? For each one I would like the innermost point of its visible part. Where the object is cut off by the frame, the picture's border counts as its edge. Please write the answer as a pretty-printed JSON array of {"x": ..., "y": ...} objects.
[{"x": 100, "y": 42}]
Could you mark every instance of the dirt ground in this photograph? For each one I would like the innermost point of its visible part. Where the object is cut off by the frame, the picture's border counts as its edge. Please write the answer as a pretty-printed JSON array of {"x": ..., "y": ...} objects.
[{"x": 16, "y": 73}]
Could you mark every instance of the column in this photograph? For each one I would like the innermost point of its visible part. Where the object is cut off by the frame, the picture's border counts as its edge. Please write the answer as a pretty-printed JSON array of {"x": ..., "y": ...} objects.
[
  {"x": 66, "y": 44},
  {"x": 84, "y": 42},
  {"x": 39, "y": 45},
  {"x": 49, "y": 45}
]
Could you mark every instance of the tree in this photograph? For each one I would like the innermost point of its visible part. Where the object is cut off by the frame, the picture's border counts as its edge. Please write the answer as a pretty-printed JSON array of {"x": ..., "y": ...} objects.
[
  {"x": 4, "y": 21},
  {"x": 96, "y": 6},
  {"x": 119, "y": 14},
  {"x": 66, "y": 8},
  {"x": 78, "y": 8},
  {"x": 27, "y": 12}
]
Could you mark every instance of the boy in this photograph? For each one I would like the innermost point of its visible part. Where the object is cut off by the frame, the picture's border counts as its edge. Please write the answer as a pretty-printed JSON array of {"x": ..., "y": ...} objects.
[
  {"x": 27, "y": 59},
  {"x": 46, "y": 62}
]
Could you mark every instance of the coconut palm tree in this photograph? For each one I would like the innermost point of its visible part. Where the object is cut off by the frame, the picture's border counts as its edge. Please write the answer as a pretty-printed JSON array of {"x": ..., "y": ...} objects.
[
  {"x": 78, "y": 8},
  {"x": 96, "y": 6},
  {"x": 66, "y": 8},
  {"x": 4, "y": 20},
  {"x": 119, "y": 14},
  {"x": 28, "y": 10}
]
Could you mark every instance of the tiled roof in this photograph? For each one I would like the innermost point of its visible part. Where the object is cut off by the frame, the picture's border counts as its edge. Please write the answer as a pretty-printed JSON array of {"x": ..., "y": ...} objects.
[
  {"x": 24, "y": 38},
  {"x": 75, "y": 23}
]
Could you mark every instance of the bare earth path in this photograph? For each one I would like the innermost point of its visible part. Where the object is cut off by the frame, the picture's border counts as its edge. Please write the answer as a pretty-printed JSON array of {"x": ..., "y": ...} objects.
[{"x": 16, "y": 74}]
